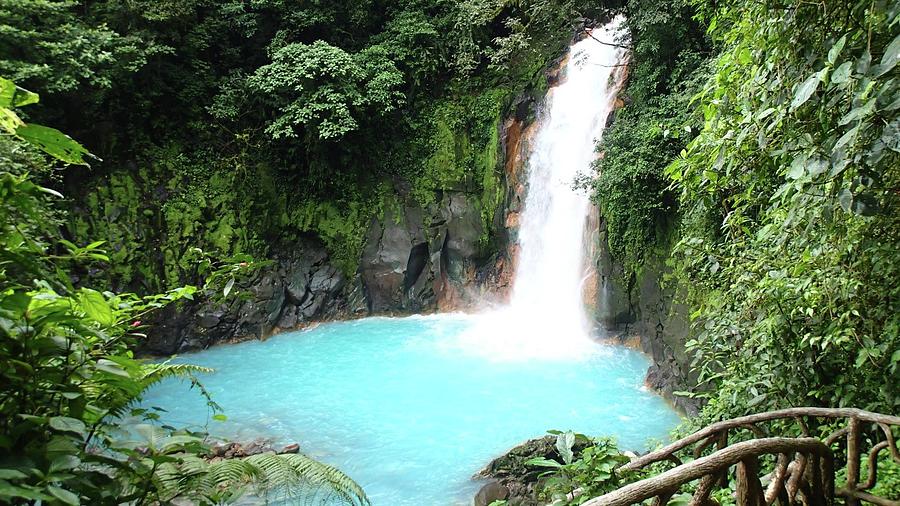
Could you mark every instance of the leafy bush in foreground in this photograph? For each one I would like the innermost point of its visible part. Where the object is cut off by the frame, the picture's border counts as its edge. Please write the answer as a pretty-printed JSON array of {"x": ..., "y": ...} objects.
[{"x": 69, "y": 377}]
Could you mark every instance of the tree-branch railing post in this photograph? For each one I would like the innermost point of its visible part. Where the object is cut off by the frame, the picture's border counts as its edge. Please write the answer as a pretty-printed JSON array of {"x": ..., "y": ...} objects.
[
  {"x": 749, "y": 490},
  {"x": 852, "y": 460}
]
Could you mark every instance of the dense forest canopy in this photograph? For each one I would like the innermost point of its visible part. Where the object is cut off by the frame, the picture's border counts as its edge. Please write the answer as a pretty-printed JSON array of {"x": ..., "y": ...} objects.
[
  {"x": 764, "y": 161},
  {"x": 757, "y": 157},
  {"x": 314, "y": 110}
]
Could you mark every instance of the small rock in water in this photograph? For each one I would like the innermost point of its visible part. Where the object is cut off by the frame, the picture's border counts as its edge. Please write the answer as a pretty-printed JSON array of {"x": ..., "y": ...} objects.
[
  {"x": 239, "y": 450},
  {"x": 291, "y": 448}
]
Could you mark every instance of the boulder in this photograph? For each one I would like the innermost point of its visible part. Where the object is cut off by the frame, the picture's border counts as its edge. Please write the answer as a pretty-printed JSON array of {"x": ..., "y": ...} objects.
[
  {"x": 490, "y": 492},
  {"x": 291, "y": 448},
  {"x": 297, "y": 282},
  {"x": 300, "y": 286}
]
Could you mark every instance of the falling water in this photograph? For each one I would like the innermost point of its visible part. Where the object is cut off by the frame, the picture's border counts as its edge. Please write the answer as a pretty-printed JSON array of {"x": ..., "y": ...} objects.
[{"x": 546, "y": 314}]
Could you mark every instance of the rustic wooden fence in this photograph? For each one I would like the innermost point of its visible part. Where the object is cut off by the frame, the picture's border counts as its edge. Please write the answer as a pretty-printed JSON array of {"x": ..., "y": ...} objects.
[{"x": 803, "y": 470}]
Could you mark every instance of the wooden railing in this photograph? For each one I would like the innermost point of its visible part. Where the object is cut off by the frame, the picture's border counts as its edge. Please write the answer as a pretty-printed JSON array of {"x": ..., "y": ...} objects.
[{"x": 803, "y": 470}]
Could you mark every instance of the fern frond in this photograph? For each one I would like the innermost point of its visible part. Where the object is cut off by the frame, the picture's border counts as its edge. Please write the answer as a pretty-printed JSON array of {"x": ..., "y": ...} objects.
[
  {"x": 298, "y": 473},
  {"x": 159, "y": 372},
  {"x": 290, "y": 475}
]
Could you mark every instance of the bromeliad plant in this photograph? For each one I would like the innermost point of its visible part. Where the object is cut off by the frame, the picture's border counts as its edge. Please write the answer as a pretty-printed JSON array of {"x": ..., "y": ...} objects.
[{"x": 68, "y": 375}]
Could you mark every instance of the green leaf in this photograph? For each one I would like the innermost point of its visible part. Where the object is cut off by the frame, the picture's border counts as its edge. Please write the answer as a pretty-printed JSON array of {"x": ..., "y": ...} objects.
[
  {"x": 859, "y": 112},
  {"x": 13, "y": 96},
  {"x": 66, "y": 424},
  {"x": 9, "y": 120},
  {"x": 756, "y": 400},
  {"x": 50, "y": 191},
  {"x": 891, "y": 57},
  {"x": 564, "y": 444},
  {"x": 12, "y": 474},
  {"x": 798, "y": 167},
  {"x": 228, "y": 287},
  {"x": 64, "y": 495},
  {"x": 542, "y": 462},
  {"x": 847, "y": 137},
  {"x": 863, "y": 63},
  {"x": 845, "y": 199},
  {"x": 816, "y": 166},
  {"x": 17, "y": 303},
  {"x": 64, "y": 462},
  {"x": 54, "y": 143},
  {"x": 836, "y": 49},
  {"x": 841, "y": 74},
  {"x": 95, "y": 307},
  {"x": 806, "y": 89},
  {"x": 7, "y": 490},
  {"x": 219, "y": 417},
  {"x": 111, "y": 367}
]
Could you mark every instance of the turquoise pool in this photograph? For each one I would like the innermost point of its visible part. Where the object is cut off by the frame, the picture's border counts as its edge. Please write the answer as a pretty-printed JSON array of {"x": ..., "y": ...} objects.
[{"x": 412, "y": 407}]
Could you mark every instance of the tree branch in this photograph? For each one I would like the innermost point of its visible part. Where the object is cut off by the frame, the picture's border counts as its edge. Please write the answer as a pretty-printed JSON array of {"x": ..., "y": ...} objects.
[{"x": 611, "y": 44}]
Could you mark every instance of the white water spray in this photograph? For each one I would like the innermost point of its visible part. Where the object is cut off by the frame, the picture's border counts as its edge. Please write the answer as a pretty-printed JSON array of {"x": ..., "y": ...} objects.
[{"x": 546, "y": 315}]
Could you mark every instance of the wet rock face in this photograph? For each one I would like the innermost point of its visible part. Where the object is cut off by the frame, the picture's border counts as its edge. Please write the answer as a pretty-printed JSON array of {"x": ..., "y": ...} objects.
[
  {"x": 491, "y": 492},
  {"x": 416, "y": 258},
  {"x": 301, "y": 287},
  {"x": 643, "y": 310}
]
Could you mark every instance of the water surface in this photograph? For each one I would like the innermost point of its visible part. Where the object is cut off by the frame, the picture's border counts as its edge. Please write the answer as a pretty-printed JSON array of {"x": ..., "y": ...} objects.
[{"x": 412, "y": 407}]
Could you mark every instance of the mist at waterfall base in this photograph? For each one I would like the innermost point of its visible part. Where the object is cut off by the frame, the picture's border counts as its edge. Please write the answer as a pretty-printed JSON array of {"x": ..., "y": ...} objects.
[
  {"x": 412, "y": 407},
  {"x": 406, "y": 411}
]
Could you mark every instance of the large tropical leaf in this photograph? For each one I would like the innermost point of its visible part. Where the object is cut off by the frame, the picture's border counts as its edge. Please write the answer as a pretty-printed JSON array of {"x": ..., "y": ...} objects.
[{"x": 54, "y": 143}]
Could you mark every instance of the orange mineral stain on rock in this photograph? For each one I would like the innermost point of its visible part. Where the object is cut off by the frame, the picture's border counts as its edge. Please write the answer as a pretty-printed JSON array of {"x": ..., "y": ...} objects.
[{"x": 512, "y": 220}]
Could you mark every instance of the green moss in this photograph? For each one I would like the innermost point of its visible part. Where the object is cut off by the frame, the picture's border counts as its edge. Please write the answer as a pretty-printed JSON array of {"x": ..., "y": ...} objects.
[
  {"x": 491, "y": 189},
  {"x": 180, "y": 199},
  {"x": 341, "y": 228},
  {"x": 463, "y": 151}
]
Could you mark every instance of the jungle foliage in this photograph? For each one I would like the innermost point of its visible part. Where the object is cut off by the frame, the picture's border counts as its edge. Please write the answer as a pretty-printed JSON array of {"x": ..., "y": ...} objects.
[
  {"x": 235, "y": 126},
  {"x": 579, "y": 477},
  {"x": 791, "y": 208},
  {"x": 72, "y": 430},
  {"x": 766, "y": 168},
  {"x": 669, "y": 51},
  {"x": 757, "y": 149}
]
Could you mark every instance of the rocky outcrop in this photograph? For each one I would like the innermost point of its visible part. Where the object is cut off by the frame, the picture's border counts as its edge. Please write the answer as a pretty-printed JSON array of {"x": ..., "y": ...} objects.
[
  {"x": 415, "y": 258},
  {"x": 230, "y": 450},
  {"x": 419, "y": 259},
  {"x": 489, "y": 493},
  {"x": 640, "y": 309},
  {"x": 522, "y": 481},
  {"x": 301, "y": 287}
]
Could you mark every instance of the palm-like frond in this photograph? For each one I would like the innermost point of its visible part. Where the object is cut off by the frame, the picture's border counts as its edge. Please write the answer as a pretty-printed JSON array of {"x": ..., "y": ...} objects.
[
  {"x": 158, "y": 372},
  {"x": 118, "y": 392},
  {"x": 298, "y": 473},
  {"x": 279, "y": 476}
]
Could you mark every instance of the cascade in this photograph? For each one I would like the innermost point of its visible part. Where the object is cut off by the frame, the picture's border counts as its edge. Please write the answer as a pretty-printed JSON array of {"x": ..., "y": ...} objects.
[{"x": 546, "y": 315}]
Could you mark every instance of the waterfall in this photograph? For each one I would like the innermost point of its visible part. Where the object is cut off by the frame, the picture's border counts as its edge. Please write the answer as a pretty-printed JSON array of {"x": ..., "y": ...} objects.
[
  {"x": 551, "y": 236},
  {"x": 546, "y": 314}
]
